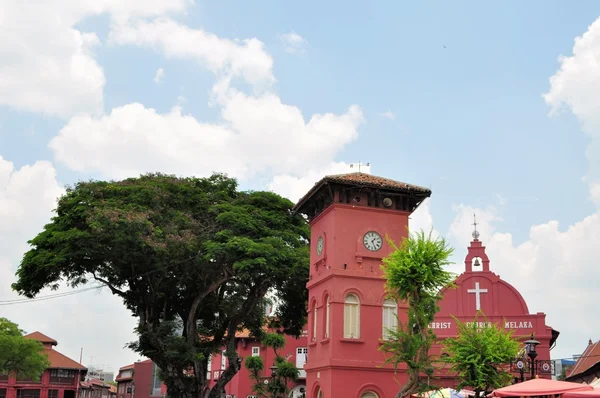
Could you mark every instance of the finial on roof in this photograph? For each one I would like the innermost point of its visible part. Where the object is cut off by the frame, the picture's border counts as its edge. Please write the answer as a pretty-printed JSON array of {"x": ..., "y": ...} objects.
[
  {"x": 590, "y": 342},
  {"x": 475, "y": 233}
]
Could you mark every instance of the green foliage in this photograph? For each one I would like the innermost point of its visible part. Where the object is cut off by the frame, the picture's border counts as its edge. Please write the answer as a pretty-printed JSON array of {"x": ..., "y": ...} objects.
[
  {"x": 480, "y": 356},
  {"x": 20, "y": 355},
  {"x": 415, "y": 273},
  {"x": 274, "y": 340},
  {"x": 285, "y": 371},
  {"x": 190, "y": 257}
]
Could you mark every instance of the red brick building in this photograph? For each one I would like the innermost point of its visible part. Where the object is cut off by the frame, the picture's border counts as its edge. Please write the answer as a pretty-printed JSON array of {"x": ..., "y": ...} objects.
[
  {"x": 350, "y": 216},
  {"x": 140, "y": 380},
  {"x": 240, "y": 386},
  {"x": 60, "y": 380}
]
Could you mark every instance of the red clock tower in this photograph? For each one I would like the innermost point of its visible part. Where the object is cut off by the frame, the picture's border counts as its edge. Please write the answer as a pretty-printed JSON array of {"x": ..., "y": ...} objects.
[{"x": 350, "y": 216}]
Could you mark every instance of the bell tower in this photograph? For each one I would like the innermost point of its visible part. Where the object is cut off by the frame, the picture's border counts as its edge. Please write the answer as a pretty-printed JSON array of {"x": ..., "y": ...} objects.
[{"x": 348, "y": 315}]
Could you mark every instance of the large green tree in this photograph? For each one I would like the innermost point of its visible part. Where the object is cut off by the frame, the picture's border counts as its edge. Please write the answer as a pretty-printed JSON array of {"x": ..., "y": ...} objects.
[
  {"x": 481, "y": 355},
  {"x": 415, "y": 272},
  {"x": 192, "y": 258},
  {"x": 20, "y": 355}
]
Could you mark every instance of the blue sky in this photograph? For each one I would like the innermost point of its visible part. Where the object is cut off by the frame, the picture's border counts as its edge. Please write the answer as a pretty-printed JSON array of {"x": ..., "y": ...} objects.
[{"x": 451, "y": 97}]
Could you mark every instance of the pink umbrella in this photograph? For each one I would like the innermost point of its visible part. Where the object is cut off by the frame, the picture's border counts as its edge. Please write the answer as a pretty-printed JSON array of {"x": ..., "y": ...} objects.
[{"x": 540, "y": 387}]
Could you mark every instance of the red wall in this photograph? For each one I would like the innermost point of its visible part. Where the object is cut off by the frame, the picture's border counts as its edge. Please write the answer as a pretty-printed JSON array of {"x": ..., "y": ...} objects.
[
  {"x": 44, "y": 385},
  {"x": 241, "y": 385},
  {"x": 348, "y": 367},
  {"x": 142, "y": 381}
]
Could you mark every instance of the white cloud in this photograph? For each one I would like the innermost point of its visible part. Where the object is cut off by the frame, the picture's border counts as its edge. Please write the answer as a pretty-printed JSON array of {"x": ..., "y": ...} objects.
[
  {"x": 159, "y": 75},
  {"x": 27, "y": 197},
  {"x": 294, "y": 187},
  {"x": 246, "y": 58},
  {"x": 294, "y": 43},
  {"x": 575, "y": 86},
  {"x": 389, "y": 115},
  {"x": 257, "y": 134},
  {"x": 59, "y": 77}
]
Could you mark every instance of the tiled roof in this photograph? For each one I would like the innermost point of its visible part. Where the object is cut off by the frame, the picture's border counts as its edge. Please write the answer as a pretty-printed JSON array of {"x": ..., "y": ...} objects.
[
  {"x": 364, "y": 180},
  {"x": 60, "y": 361},
  {"x": 42, "y": 338},
  {"x": 369, "y": 180},
  {"x": 95, "y": 382},
  {"x": 589, "y": 358}
]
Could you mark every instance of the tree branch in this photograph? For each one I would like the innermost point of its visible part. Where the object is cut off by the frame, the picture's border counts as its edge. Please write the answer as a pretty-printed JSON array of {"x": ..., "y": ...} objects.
[{"x": 113, "y": 289}]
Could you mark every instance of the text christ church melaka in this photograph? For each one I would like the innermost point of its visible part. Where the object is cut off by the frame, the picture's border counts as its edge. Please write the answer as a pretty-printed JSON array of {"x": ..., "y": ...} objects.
[{"x": 350, "y": 216}]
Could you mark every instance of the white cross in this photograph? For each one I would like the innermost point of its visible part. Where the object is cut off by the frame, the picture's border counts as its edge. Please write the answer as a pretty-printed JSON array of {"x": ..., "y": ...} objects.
[{"x": 477, "y": 292}]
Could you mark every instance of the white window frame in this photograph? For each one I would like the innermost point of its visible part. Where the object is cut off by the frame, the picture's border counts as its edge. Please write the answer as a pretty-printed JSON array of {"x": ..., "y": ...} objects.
[
  {"x": 256, "y": 351},
  {"x": 223, "y": 360},
  {"x": 389, "y": 315},
  {"x": 327, "y": 318},
  {"x": 209, "y": 367},
  {"x": 352, "y": 316}
]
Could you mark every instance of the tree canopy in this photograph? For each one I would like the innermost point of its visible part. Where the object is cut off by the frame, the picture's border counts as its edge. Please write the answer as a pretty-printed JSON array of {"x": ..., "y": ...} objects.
[
  {"x": 415, "y": 273},
  {"x": 26, "y": 357},
  {"x": 481, "y": 355},
  {"x": 192, "y": 258}
]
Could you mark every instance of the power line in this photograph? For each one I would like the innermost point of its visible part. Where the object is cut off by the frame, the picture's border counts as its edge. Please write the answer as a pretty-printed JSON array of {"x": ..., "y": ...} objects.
[
  {"x": 49, "y": 296},
  {"x": 59, "y": 295}
]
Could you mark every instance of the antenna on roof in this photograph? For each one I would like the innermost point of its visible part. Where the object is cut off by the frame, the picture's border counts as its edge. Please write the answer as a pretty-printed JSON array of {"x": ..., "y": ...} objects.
[{"x": 361, "y": 164}]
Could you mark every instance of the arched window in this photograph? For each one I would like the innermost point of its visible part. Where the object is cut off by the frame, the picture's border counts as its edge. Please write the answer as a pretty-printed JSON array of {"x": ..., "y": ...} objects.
[
  {"x": 369, "y": 394},
  {"x": 319, "y": 393},
  {"x": 352, "y": 317},
  {"x": 327, "y": 317},
  {"x": 390, "y": 318},
  {"x": 314, "y": 333}
]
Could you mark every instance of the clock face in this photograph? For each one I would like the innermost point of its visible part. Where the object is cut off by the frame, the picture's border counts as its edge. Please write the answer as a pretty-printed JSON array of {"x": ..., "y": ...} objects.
[
  {"x": 372, "y": 241},
  {"x": 320, "y": 244}
]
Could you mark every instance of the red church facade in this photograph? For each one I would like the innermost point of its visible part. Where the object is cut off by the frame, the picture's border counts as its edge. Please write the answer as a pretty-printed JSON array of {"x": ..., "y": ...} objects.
[
  {"x": 60, "y": 380},
  {"x": 350, "y": 216},
  {"x": 479, "y": 291}
]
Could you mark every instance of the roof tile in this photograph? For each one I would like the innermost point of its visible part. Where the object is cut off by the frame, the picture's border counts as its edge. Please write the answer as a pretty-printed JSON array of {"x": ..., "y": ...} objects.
[
  {"x": 589, "y": 358},
  {"x": 42, "y": 338},
  {"x": 60, "y": 361}
]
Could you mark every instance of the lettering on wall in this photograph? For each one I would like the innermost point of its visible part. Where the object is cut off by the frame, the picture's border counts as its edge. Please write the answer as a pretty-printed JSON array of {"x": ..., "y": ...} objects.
[{"x": 507, "y": 325}]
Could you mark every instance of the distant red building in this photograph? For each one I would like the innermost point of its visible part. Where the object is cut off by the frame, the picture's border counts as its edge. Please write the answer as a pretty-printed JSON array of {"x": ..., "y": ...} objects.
[
  {"x": 60, "y": 380},
  {"x": 94, "y": 388},
  {"x": 240, "y": 386},
  {"x": 587, "y": 368},
  {"x": 140, "y": 380}
]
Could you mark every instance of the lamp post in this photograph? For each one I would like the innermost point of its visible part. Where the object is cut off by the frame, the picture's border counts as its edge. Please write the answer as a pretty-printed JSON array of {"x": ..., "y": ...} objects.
[
  {"x": 273, "y": 375},
  {"x": 532, "y": 353}
]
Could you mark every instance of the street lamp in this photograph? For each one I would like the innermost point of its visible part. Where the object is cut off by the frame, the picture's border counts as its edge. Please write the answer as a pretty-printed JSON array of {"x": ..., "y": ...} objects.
[
  {"x": 532, "y": 353},
  {"x": 273, "y": 381}
]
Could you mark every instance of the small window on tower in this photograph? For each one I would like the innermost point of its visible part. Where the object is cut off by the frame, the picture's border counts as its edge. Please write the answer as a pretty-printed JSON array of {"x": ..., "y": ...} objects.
[
  {"x": 352, "y": 317},
  {"x": 327, "y": 317},
  {"x": 255, "y": 351},
  {"x": 390, "y": 319}
]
